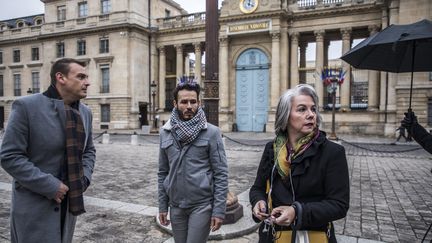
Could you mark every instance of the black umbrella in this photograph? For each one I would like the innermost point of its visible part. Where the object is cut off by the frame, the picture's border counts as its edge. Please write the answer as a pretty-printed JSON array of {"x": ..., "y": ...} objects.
[{"x": 397, "y": 48}]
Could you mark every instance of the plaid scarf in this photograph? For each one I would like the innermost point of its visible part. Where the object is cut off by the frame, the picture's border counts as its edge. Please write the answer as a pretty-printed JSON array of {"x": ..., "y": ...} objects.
[
  {"x": 284, "y": 154},
  {"x": 75, "y": 137},
  {"x": 187, "y": 131}
]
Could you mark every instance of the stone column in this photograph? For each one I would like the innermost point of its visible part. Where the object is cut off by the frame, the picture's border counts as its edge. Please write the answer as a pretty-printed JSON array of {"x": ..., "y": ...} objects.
[
  {"x": 392, "y": 77},
  {"x": 275, "y": 71},
  {"x": 373, "y": 82},
  {"x": 162, "y": 83},
  {"x": 223, "y": 73},
  {"x": 187, "y": 65},
  {"x": 384, "y": 76},
  {"x": 179, "y": 60},
  {"x": 302, "y": 74},
  {"x": 346, "y": 86},
  {"x": 284, "y": 59},
  {"x": 319, "y": 64},
  {"x": 198, "y": 63},
  {"x": 326, "y": 48},
  {"x": 294, "y": 59}
]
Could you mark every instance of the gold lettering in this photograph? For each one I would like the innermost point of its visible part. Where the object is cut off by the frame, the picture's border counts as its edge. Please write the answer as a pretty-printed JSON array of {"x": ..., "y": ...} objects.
[{"x": 246, "y": 27}]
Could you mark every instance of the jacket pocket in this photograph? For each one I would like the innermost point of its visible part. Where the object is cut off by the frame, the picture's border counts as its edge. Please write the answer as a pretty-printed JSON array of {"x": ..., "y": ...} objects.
[
  {"x": 171, "y": 151},
  {"x": 167, "y": 143},
  {"x": 199, "y": 151},
  {"x": 201, "y": 187}
]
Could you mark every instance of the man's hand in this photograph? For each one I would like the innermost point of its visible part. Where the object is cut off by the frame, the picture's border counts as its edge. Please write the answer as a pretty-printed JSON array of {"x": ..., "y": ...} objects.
[
  {"x": 61, "y": 193},
  {"x": 163, "y": 219},
  {"x": 215, "y": 224},
  {"x": 409, "y": 120}
]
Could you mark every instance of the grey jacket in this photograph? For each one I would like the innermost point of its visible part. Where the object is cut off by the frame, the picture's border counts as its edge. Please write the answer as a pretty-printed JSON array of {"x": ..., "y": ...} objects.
[
  {"x": 194, "y": 174},
  {"x": 33, "y": 150}
]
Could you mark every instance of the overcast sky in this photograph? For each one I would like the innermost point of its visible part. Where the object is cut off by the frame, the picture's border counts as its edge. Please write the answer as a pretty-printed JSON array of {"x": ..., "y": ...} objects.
[{"x": 19, "y": 8}]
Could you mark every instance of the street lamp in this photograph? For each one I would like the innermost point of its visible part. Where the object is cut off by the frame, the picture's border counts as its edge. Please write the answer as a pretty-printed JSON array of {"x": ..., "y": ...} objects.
[
  {"x": 332, "y": 78},
  {"x": 29, "y": 91},
  {"x": 153, "y": 87}
]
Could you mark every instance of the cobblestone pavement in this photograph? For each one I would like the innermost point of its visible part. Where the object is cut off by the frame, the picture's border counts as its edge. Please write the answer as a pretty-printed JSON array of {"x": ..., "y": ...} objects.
[{"x": 391, "y": 190}]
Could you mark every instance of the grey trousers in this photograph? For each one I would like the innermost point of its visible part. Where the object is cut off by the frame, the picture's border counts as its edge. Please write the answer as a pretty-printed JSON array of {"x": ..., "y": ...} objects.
[{"x": 191, "y": 225}]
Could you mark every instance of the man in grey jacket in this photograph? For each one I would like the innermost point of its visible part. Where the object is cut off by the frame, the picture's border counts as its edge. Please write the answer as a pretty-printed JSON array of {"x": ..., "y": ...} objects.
[
  {"x": 48, "y": 150},
  {"x": 193, "y": 173}
]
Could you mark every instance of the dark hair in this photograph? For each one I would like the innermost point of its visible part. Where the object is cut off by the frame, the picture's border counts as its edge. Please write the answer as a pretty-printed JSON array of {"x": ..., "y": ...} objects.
[
  {"x": 62, "y": 66},
  {"x": 187, "y": 86}
]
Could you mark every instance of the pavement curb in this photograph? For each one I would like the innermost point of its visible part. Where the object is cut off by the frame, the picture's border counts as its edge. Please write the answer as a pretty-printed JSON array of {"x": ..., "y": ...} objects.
[{"x": 244, "y": 226}]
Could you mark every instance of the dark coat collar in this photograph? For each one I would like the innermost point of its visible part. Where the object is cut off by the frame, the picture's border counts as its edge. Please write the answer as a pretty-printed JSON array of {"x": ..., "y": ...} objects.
[{"x": 53, "y": 93}]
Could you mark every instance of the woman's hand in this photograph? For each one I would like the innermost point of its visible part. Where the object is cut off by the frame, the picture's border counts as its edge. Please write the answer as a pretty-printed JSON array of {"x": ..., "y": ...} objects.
[
  {"x": 283, "y": 215},
  {"x": 260, "y": 210}
]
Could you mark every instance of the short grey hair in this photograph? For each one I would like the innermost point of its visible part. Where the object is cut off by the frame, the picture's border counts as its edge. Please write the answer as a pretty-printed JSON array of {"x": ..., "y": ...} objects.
[{"x": 285, "y": 104}]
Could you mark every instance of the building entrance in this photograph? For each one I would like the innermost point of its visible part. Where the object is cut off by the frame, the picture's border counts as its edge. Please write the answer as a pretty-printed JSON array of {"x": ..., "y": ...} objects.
[{"x": 252, "y": 77}]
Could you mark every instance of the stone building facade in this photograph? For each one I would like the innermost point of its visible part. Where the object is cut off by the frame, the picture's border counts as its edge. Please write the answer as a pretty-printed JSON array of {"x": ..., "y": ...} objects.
[{"x": 136, "y": 50}]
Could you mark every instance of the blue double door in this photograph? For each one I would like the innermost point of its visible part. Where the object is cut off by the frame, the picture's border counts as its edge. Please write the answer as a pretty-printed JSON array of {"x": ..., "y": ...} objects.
[{"x": 252, "y": 81}]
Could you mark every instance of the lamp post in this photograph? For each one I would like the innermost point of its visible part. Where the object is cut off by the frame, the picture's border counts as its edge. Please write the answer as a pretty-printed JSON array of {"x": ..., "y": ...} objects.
[
  {"x": 30, "y": 91},
  {"x": 333, "y": 87},
  {"x": 332, "y": 78},
  {"x": 153, "y": 87}
]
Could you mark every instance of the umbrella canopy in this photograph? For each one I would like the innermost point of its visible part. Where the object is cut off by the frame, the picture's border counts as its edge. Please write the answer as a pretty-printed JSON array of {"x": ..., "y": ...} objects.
[{"x": 397, "y": 48}]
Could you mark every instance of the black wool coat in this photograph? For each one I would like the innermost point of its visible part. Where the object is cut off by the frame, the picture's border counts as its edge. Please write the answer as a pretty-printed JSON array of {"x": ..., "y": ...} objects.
[{"x": 321, "y": 185}]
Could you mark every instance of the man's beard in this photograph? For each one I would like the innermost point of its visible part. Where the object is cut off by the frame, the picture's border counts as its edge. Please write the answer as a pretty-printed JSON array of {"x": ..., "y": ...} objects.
[{"x": 181, "y": 116}]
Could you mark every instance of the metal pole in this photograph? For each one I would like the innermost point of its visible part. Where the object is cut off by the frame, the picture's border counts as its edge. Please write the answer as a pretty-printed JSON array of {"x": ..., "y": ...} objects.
[
  {"x": 333, "y": 132},
  {"x": 154, "y": 109}
]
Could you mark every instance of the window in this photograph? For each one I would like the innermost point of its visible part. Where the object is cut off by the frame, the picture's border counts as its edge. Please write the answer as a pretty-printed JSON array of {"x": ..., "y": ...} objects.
[
  {"x": 61, "y": 13},
  {"x": 17, "y": 84},
  {"x": 35, "y": 53},
  {"x": 1, "y": 57},
  {"x": 16, "y": 56},
  {"x": 103, "y": 45},
  {"x": 169, "y": 88},
  {"x": 60, "y": 49},
  {"x": 38, "y": 21},
  {"x": 167, "y": 13},
  {"x": 3, "y": 27},
  {"x": 20, "y": 24},
  {"x": 82, "y": 9},
  {"x": 359, "y": 89},
  {"x": 105, "y": 113},
  {"x": 105, "y": 79},
  {"x": 81, "y": 47},
  {"x": 35, "y": 82},
  {"x": 1, "y": 85},
  {"x": 105, "y": 6}
]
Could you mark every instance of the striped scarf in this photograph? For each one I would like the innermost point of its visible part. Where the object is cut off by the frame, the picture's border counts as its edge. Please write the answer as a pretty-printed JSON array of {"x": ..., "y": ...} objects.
[
  {"x": 285, "y": 154},
  {"x": 187, "y": 131},
  {"x": 75, "y": 137}
]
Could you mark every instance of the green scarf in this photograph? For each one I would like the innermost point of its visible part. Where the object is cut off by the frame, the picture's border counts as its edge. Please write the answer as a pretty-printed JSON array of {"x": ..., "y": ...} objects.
[{"x": 284, "y": 153}]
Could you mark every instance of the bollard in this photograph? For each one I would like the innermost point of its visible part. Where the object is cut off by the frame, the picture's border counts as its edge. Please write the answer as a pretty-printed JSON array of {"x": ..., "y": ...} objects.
[
  {"x": 105, "y": 138},
  {"x": 134, "y": 139}
]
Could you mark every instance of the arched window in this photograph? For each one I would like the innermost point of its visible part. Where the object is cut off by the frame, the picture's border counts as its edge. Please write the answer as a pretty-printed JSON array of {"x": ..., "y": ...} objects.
[
  {"x": 20, "y": 24},
  {"x": 38, "y": 21}
]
